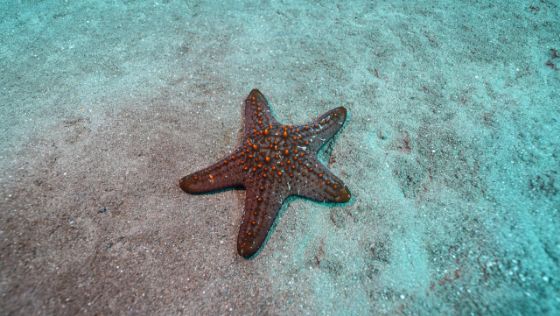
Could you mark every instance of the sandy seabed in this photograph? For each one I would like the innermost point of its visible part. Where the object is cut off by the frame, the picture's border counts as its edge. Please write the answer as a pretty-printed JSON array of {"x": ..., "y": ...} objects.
[{"x": 451, "y": 151}]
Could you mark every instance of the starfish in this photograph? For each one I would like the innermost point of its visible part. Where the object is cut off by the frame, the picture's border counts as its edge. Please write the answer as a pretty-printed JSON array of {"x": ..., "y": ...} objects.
[{"x": 274, "y": 162}]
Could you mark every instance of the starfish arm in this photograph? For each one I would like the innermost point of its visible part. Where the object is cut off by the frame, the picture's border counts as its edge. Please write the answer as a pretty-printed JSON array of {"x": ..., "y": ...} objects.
[
  {"x": 261, "y": 208},
  {"x": 257, "y": 113},
  {"x": 324, "y": 127},
  {"x": 223, "y": 174},
  {"x": 321, "y": 185}
]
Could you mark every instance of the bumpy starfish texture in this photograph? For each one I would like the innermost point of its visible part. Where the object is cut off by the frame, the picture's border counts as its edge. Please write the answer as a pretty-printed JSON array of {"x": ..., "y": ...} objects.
[{"x": 274, "y": 161}]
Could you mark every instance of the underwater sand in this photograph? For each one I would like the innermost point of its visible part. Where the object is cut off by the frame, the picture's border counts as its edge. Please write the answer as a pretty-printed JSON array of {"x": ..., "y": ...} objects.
[{"x": 451, "y": 152}]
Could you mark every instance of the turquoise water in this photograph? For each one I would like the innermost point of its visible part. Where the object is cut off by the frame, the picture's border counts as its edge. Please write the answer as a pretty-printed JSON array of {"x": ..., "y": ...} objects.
[{"x": 451, "y": 152}]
